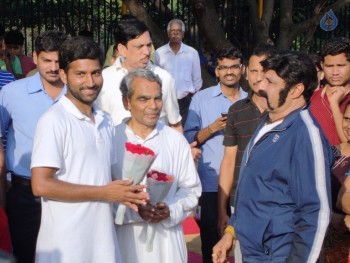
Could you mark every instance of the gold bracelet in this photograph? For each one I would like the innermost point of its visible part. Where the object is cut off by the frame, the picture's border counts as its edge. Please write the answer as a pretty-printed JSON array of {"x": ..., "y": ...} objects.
[
  {"x": 210, "y": 131},
  {"x": 230, "y": 230}
]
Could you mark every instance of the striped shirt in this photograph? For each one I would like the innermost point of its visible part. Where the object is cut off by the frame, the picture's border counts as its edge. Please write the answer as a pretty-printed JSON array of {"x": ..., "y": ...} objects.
[
  {"x": 242, "y": 120},
  {"x": 5, "y": 77}
]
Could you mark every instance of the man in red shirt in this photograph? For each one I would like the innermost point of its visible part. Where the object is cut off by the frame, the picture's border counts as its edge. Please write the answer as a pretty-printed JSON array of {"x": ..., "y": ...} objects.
[{"x": 328, "y": 104}]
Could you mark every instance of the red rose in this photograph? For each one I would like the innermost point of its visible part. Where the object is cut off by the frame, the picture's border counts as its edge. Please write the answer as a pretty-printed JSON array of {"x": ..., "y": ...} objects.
[
  {"x": 138, "y": 149},
  {"x": 159, "y": 176}
]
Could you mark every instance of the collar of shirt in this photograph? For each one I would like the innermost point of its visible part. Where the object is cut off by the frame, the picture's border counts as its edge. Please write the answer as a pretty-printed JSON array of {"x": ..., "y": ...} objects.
[
  {"x": 37, "y": 87},
  {"x": 118, "y": 65},
  {"x": 72, "y": 109},
  {"x": 131, "y": 134},
  {"x": 181, "y": 50},
  {"x": 216, "y": 91}
]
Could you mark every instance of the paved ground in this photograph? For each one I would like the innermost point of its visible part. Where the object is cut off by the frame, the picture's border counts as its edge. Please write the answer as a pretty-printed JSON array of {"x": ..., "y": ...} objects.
[{"x": 193, "y": 241}]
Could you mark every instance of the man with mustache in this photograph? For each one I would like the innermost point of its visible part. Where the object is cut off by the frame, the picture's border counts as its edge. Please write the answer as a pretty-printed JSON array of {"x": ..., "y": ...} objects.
[
  {"x": 22, "y": 103},
  {"x": 205, "y": 124},
  {"x": 134, "y": 46},
  {"x": 282, "y": 206},
  {"x": 328, "y": 104},
  {"x": 182, "y": 61}
]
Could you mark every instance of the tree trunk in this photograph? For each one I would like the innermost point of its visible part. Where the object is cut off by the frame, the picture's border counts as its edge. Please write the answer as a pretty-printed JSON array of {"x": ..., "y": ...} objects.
[
  {"x": 209, "y": 25},
  {"x": 261, "y": 26},
  {"x": 136, "y": 9}
]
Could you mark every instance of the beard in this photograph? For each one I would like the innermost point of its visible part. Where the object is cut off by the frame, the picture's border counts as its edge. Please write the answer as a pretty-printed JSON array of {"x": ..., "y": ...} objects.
[{"x": 84, "y": 99}]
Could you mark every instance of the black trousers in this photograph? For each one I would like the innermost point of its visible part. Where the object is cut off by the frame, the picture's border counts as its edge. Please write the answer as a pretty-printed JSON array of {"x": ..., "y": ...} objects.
[
  {"x": 208, "y": 224},
  {"x": 184, "y": 104},
  {"x": 24, "y": 215}
]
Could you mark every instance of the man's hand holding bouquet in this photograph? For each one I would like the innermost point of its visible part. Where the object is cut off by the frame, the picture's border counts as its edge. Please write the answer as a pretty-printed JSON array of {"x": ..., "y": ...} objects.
[
  {"x": 137, "y": 160},
  {"x": 158, "y": 186}
]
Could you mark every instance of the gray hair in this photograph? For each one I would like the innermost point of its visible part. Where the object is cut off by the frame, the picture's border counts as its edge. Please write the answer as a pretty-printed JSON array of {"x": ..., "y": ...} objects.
[
  {"x": 126, "y": 85},
  {"x": 177, "y": 21}
]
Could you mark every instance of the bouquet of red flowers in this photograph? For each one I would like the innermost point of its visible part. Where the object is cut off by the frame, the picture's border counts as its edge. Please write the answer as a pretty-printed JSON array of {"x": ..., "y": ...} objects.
[
  {"x": 137, "y": 160},
  {"x": 158, "y": 186}
]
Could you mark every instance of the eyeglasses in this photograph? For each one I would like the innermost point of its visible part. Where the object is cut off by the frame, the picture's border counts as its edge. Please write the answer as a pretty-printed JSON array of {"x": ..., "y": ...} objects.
[
  {"x": 173, "y": 31},
  {"x": 226, "y": 68}
]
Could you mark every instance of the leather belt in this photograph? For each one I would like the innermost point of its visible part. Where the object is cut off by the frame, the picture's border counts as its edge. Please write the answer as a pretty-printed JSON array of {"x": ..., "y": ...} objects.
[{"x": 16, "y": 179}]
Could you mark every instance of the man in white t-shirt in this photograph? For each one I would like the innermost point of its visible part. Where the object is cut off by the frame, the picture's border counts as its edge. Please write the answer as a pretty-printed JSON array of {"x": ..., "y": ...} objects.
[
  {"x": 182, "y": 61},
  {"x": 134, "y": 46},
  {"x": 72, "y": 160}
]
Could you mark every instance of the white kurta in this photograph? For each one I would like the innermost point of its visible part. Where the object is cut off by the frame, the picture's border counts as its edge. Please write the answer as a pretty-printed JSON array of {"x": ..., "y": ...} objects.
[
  {"x": 174, "y": 158},
  {"x": 82, "y": 151},
  {"x": 110, "y": 98}
]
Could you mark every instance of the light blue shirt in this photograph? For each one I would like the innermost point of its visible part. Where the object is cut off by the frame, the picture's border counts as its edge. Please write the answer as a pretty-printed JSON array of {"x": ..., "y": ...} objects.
[
  {"x": 22, "y": 103},
  {"x": 206, "y": 106}
]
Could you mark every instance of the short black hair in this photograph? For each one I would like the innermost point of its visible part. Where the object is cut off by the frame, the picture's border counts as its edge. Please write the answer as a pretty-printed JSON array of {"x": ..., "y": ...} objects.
[
  {"x": 229, "y": 53},
  {"x": 78, "y": 48},
  {"x": 263, "y": 50},
  {"x": 293, "y": 67},
  {"x": 128, "y": 28},
  {"x": 14, "y": 37},
  {"x": 336, "y": 46},
  {"x": 49, "y": 41}
]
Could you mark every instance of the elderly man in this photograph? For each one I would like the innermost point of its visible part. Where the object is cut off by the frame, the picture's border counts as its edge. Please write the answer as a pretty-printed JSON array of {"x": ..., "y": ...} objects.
[
  {"x": 142, "y": 95},
  {"x": 282, "y": 208},
  {"x": 182, "y": 61}
]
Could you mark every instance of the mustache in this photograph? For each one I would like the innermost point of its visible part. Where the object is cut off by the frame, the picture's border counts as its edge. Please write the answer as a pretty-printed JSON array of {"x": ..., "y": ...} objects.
[
  {"x": 53, "y": 72},
  {"x": 262, "y": 93},
  {"x": 95, "y": 87}
]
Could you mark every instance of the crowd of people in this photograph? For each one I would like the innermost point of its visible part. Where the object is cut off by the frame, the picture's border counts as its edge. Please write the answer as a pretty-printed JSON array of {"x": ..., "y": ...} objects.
[{"x": 264, "y": 171}]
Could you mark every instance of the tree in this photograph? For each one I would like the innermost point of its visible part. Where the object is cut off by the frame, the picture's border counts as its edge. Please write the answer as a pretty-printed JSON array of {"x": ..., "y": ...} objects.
[
  {"x": 210, "y": 29},
  {"x": 290, "y": 16}
]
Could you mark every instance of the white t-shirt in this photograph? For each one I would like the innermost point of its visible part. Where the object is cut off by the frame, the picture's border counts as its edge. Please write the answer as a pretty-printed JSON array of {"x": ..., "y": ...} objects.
[
  {"x": 110, "y": 98},
  {"x": 173, "y": 158},
  {"x": 83, "y": 152},
  {"x": 184, "y": 67}
]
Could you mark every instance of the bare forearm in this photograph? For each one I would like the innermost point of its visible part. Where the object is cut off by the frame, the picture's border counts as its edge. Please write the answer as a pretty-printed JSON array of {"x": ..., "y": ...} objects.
[
  {"x": 204, "y": 134},
  {"x": 46, "y": 185},
  {"x": 64, "y": 191},
  {"x": 225, "y": 186}
]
